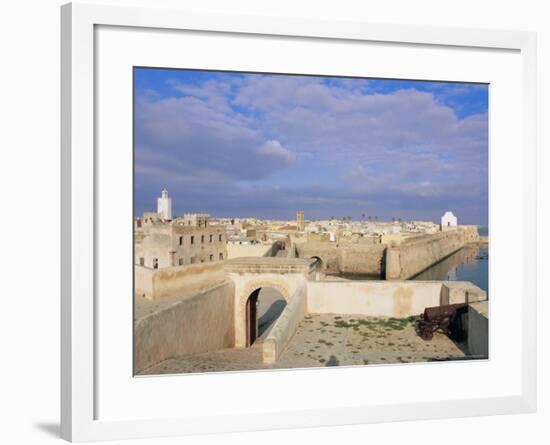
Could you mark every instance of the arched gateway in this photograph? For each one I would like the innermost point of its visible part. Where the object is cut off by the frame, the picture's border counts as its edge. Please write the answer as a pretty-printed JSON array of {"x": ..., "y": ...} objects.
[
  {"x": 263, "y": 307},
  {"x": 287, "y": 276}
]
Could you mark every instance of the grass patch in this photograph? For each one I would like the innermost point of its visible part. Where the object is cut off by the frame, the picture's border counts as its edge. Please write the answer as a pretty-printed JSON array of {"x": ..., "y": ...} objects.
[
  {"x": 342, "y": 324},
  {"x": 374, "y": 324}
]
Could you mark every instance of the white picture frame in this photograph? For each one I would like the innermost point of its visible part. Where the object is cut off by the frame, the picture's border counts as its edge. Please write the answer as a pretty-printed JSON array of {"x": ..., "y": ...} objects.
[{"x": 80, "y": 420}]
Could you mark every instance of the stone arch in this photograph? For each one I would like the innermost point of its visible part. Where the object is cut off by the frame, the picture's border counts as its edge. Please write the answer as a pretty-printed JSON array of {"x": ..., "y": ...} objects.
[
  {"x": 254, "y": 285},
  {"x": 319, "y": 265},
  {"x": 263, "y": 307},
  {"x": 246, "y": 286}
]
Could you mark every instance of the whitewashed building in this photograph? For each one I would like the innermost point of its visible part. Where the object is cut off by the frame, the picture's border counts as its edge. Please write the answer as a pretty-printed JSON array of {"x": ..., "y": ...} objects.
[{"x": 449, "y": 221}]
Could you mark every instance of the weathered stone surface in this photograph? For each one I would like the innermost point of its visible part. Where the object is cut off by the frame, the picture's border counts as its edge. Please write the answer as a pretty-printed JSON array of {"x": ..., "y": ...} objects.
[
  {"x": 478, "y": 329},
  {"x": 387, "y": 298},
  {"x": 415, "y": 255},
  {"x": 177, "y": 281},
  {"x": 190, "y": 325},
  {"x": 360, "y": 258}
]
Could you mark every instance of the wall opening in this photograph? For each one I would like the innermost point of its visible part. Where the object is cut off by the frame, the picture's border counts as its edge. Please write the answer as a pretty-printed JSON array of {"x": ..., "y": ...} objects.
[
  {"x": 263, "y": 308},
  {"x": 318, "y": 263}
]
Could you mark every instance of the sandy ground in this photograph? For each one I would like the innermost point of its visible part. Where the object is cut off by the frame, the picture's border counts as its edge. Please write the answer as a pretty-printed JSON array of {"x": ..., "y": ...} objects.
[{"x": 328, "y": 340}]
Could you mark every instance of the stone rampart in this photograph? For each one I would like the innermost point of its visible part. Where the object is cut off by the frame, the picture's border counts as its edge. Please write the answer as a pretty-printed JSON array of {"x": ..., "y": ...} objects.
[
  {"x": 419, "y": 253},
  {"x": 198, "y": 324},
  {"x": 177, "y": 281},
  {"x": 351, "y": 258}
]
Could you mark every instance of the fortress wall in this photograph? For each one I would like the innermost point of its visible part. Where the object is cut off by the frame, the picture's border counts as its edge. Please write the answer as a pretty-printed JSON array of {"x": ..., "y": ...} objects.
[
  {"x": 328, "y": 253},
  {"x": 353, "y": 258},
  {"x": 398, "y": 299},
  {"x": 198, "y": 324},
  {"x": 178, "y": 281},
  {"x": 417, "y": 254},
  {"x": 362, "y": 259},
  {"x": 285, "y": 327}
]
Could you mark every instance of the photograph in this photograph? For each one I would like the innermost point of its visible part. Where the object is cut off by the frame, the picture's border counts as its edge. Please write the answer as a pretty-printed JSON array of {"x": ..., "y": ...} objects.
[{"x": 287, "y": 221}]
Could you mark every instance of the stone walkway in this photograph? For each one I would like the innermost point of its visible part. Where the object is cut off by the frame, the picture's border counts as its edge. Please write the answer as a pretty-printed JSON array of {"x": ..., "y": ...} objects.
[{"x": 328, "y": 340}]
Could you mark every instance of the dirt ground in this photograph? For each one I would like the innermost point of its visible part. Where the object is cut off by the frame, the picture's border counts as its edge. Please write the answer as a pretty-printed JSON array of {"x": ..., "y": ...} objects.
[{"x": 328, "y": 340}]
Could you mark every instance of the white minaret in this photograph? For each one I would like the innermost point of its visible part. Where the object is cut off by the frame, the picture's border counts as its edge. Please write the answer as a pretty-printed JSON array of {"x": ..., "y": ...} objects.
[{"x": 164, "y": 205}]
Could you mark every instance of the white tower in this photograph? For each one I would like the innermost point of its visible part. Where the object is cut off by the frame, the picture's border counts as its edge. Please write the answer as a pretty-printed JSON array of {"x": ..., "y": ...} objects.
[{"x": 164, "y": 205}]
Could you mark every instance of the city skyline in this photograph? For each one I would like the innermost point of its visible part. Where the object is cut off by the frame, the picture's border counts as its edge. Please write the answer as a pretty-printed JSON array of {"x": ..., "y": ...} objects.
[{"x": 264, "y": 146}]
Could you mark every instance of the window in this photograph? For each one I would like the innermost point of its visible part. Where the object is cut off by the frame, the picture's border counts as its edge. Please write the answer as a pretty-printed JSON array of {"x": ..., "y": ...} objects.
[
  {"x": 181, "y": 240},
  {"x": 221, "y": 256},
  {"x": 211, "y": 257},
  {"x": 192, "y": 240},
  {"x": 220, "y": 238},
  {"x": 180, "y": 261},
  {"x": 202, "y": 238},
  {"x": 142, "y": 261},
  {"x": 211, "y": 238},
  {"x": 155, "y": 263}
]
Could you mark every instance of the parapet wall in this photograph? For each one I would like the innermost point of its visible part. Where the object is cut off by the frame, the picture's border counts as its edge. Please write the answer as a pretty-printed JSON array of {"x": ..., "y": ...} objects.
[
  {"x": 397, "y": 299},
  {"x": 351, "y": 258},
  {"x": 372, "y": 298},
  {"x": 198, "y": 324},
  {"x": 419, "y": 253},
  {"x": 177, "y": 281}
]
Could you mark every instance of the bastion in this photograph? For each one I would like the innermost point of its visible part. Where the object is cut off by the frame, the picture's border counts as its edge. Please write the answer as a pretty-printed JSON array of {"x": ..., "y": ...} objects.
[{"x": 222, "y": 314}]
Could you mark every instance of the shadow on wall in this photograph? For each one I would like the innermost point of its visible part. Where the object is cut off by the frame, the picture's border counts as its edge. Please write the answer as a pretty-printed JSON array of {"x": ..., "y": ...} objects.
[{"x": 266, "y": 320}]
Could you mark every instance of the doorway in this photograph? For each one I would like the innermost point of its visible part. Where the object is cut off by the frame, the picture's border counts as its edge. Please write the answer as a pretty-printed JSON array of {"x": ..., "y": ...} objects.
[{"x": 263, "y": 308}]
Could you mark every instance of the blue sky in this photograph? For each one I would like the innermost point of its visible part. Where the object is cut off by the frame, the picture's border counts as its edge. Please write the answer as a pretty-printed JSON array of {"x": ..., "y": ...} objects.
[{"x": 266, "y": 145}]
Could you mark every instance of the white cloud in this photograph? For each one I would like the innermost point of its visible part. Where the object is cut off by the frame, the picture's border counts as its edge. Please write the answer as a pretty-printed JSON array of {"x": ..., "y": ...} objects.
[
  {"x": 397, "y": 146},
  {"x": 274, "y": 150}
]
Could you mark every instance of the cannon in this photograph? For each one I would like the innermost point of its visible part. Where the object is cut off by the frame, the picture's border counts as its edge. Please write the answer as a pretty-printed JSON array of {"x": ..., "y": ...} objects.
[{"x": 446, "y": 319}]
